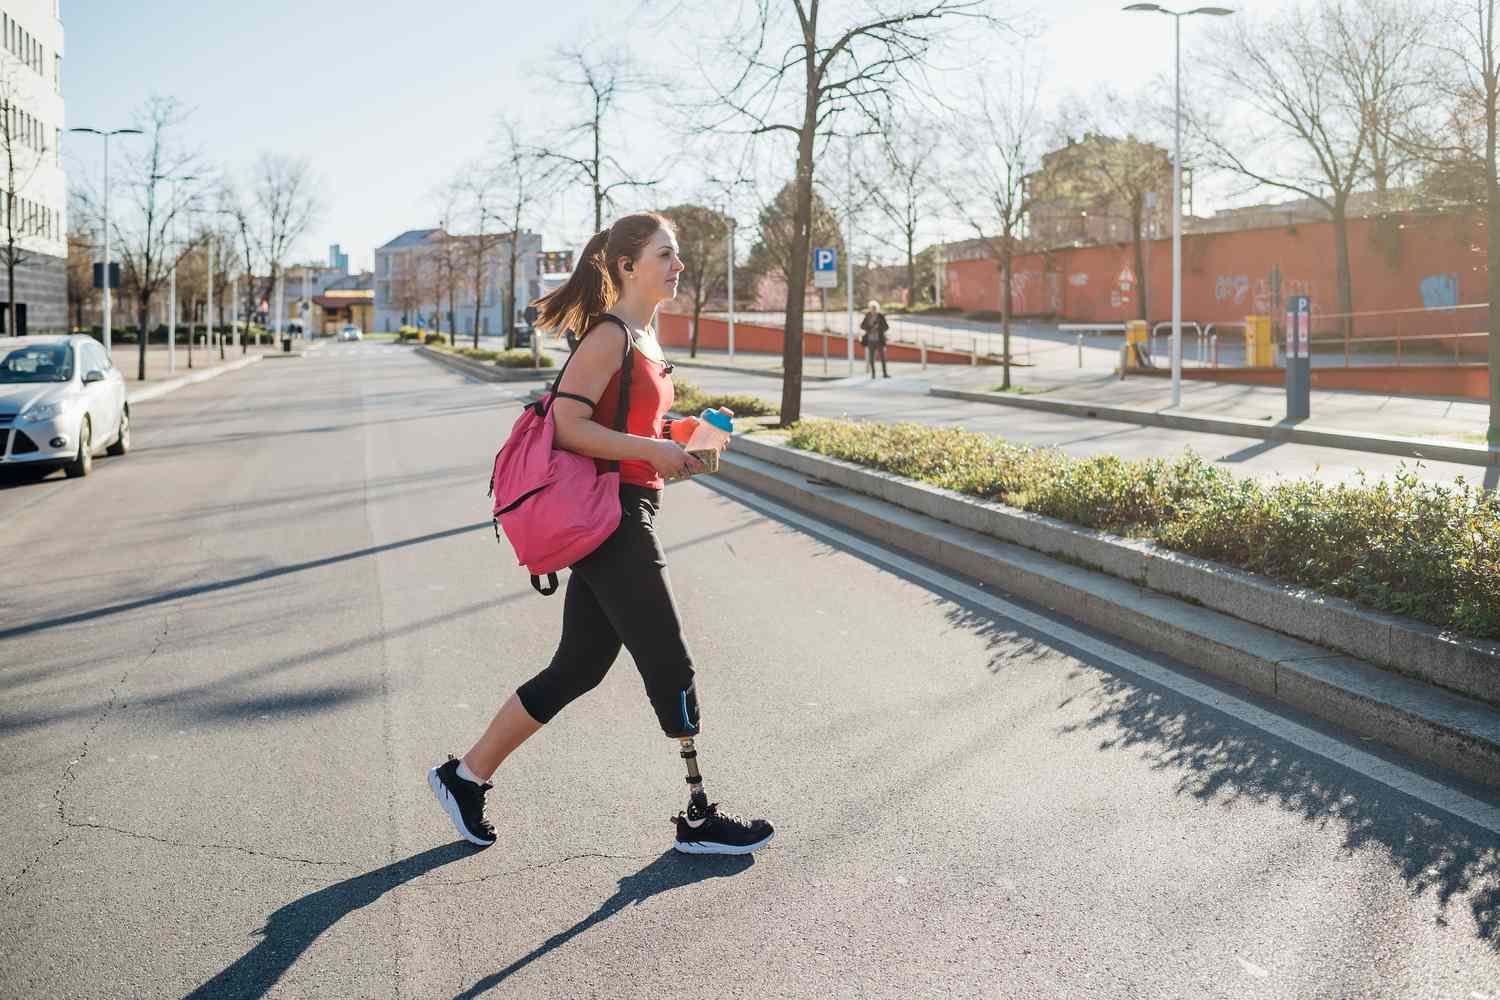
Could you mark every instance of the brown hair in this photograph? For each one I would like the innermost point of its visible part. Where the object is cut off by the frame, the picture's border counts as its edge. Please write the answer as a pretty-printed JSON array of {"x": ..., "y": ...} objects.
[{"x": 595, "y": 283}]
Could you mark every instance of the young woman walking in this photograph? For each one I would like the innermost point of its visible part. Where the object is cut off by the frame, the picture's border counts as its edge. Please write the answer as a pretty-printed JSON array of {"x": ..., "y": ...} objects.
[{"x": 620, "y": 593}]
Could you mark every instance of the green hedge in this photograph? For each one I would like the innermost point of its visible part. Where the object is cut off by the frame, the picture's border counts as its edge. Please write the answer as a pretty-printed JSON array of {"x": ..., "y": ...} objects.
[
  {"x": 1429, "y": 551},
  {"x": 690, "y": 399},
  {"x": 505, "y": 359}
]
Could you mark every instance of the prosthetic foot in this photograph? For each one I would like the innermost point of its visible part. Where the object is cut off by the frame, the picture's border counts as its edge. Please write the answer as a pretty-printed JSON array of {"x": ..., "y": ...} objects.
[{"x": 702, "y": 828}]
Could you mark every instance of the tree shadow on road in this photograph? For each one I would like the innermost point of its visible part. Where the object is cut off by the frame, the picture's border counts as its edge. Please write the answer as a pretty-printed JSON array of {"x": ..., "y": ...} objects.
[
  {"x": 670, "y": 871},
  {"x": 1222, "y": 761},
  {"x": 291, "y": 930}
]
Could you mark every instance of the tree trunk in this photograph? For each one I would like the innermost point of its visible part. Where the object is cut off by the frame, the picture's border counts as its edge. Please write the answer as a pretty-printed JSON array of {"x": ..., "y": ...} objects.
[
  {"x": 1006, "y": 258},
  {"x": 10, "y": 305},
  {"x": 697, "y": 311},
  {"x": 796, "y": 279},
  {"x": 911, "y": 270},
  {"x": 1341, "y": 258},
  {"x": 143, "y": 309}
]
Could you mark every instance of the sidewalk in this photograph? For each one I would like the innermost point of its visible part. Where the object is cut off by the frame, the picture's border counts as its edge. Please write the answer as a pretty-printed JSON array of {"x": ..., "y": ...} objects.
[
  {"x": 1372, "y": 413},
  {"x": 126, "y": 358}
]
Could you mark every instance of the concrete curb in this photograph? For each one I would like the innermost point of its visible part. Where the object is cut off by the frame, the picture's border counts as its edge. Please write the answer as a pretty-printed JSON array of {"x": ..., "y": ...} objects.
[
  {"x": 1383, "y": 444},
  {"x": 1433, "y": 725},
  {"x": 162, "y": 388},
  {"x": 486, "y": 372},
  {"x": 1426, "y": 653}
]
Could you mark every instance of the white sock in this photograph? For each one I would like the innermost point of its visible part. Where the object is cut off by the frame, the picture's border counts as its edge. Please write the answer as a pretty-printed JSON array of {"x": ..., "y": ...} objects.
[{"x": 468, "y": 775}]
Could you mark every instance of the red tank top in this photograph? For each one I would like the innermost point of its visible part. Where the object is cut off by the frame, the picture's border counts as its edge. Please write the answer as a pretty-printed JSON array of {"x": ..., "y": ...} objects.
[{"x": 650, "y": 399}]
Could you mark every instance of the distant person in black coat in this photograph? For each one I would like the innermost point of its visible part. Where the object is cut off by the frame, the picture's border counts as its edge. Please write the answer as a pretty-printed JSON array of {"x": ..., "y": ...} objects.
[{"x": 874, "y": 324}]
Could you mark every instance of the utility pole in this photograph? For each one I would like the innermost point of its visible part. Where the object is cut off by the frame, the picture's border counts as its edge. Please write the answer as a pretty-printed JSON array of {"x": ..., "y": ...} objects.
[{"x": 849, "y": 256}]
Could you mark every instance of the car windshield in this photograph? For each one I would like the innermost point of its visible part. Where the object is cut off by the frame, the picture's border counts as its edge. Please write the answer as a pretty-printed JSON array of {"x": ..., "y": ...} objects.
[{"x": 37, "y": 363}]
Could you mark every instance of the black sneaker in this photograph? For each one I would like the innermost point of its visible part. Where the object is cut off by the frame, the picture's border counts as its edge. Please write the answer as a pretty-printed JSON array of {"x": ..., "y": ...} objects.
[
  {"x": 463, "y": 801},
  {"x": 708, "y": 831}
]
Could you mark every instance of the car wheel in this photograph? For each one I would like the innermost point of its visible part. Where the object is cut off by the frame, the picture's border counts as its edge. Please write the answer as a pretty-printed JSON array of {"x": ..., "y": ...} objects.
[
  {"x": 83, "y": 464},
  {"x": 122, "y": 440}
]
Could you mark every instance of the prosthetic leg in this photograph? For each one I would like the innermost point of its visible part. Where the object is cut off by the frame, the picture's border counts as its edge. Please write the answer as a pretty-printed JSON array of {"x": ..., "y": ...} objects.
[{"x": 697, "y": 808}]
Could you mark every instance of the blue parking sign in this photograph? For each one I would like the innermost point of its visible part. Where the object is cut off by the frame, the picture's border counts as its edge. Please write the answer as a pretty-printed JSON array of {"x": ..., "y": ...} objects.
[{"x": 825, "y": 262}]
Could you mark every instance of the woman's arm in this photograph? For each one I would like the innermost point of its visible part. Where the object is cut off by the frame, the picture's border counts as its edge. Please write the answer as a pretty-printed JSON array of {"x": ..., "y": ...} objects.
[{"x": 594, "y": 363}]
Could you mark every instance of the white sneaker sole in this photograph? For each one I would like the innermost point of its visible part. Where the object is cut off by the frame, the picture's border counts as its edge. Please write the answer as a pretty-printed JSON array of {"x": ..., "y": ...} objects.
[
  {"x": 708, "y": 847},
  {"x": 440, "y": 792}
]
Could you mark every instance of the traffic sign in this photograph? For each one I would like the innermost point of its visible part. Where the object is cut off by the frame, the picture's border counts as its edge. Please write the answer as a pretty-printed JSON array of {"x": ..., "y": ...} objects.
[{"x": 825, "y": 267}]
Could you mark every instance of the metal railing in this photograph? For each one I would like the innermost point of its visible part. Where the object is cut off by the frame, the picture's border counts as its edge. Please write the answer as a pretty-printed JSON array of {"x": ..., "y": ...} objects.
[
  {"x": 1201, "y": 346},
  {"x": 1404, "y": 327}
]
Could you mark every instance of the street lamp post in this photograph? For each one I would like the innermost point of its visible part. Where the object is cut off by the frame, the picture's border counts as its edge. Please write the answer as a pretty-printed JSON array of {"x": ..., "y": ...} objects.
[
  {"x": 106, "y": 133},
  {"x": 1177, "y": 17}
]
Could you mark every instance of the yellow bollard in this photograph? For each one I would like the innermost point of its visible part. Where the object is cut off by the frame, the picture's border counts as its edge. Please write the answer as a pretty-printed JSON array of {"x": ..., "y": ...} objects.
[{"x": 1260, "y": 351}]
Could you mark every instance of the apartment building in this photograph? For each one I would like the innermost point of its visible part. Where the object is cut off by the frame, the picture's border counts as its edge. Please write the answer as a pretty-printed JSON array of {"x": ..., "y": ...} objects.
[
  {"x": 32, "y": 122},
  {"x": 411, "y": 277}
]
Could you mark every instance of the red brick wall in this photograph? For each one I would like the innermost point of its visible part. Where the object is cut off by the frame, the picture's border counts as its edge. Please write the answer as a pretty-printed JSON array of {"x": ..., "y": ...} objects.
[{"x": 1225, "y": 274}]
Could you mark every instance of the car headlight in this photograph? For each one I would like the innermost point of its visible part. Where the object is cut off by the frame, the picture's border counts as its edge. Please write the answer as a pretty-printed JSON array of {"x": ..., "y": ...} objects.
[{"x": 44, "y": 411}]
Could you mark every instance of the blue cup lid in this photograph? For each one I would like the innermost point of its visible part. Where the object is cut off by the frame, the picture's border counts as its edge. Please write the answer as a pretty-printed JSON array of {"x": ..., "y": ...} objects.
[{"x": 720, "y": 420}]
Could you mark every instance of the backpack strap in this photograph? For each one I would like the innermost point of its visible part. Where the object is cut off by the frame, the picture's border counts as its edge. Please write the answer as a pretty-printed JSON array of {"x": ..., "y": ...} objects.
[
  {"x": 626, "y": 369},
  {"x": 547, "y": 591}
]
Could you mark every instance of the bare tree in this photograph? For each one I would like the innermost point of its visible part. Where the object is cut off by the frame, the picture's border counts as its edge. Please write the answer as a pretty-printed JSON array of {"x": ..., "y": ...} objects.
[
  {"x": 244, "y": 247},
  {"x": 154, "y": 205},
  {"x": 601, "y": 80},
  {"x": 999, "y": 148},
  {"x": 854, "y": 67},
  {"x": 1472, "y": 52},
  {"x": 900, "y": 184},
  {"x": 1321, "y": 86},
  {"x": 517, "y": 182},
  {"x": 24, "y": 147},
  {"x": 1114, "y": 168},
  {"x": 81, "y": 291},
  {"x": 701, "y": 233},
  {"x": 285, "y": 201}
]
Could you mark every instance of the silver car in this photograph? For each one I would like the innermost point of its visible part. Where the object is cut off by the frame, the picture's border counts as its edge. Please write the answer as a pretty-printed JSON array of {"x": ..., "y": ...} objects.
[{"x": 61, "y": 401}]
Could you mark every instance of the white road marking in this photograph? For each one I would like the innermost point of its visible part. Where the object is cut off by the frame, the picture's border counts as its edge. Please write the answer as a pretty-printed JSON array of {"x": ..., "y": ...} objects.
[{"x": 1424, "y": 789}]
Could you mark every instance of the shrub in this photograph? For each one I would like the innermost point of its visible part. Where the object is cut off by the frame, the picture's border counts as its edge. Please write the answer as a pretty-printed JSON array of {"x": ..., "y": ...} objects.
[
  {"x": 1427, "y": 550},
  {"x": 434, "y": 338},
  {"x": 691, "y": 399},
  {"x": 521, "y": 359},
  {"x": 409, "y": 333}
]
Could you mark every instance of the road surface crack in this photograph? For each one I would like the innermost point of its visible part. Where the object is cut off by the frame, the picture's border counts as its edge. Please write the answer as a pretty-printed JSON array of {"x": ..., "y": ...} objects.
[
  {"x": 69, "y": 772},
  {"x": 75, "y": 825}
]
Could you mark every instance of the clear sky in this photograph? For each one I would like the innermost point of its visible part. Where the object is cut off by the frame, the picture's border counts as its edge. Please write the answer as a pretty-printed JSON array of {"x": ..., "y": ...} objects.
[{"x": 387, "y": 97}]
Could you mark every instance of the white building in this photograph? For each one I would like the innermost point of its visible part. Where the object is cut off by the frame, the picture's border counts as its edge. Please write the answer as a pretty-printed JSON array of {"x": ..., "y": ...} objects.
[
  {"x": 31, "y": 47},
  {"x": 410, "y": 283}
]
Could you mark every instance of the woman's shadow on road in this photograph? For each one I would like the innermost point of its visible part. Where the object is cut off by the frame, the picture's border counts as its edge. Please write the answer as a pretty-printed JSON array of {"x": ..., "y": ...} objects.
[
  {"x": 291, "y": 930},
  {"x": 670, "y": 871}
]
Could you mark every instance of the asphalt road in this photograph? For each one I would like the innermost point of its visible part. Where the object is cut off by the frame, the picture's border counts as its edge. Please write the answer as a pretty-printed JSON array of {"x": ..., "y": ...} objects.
[{"x": 227, "y": 659}]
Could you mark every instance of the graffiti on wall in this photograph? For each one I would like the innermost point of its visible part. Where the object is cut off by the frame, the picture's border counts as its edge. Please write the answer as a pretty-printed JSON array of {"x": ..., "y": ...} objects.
[
  {"x": 1439, "y": 291},
  {"x": 1232, "y": 288}
]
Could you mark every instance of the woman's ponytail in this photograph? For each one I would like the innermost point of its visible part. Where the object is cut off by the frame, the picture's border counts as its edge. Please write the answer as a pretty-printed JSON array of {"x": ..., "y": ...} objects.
[
  {"x": 585, "y": 296},
  {"x": 595, "y": 284}
]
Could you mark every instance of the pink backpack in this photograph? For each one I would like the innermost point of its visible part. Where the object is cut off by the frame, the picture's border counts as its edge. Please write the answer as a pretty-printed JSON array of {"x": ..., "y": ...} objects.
[{"x": 554, "y": 505}]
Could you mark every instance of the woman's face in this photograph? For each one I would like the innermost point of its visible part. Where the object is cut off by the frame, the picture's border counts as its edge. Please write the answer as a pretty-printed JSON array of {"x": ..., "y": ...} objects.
[{"x": 659, "y": 266}]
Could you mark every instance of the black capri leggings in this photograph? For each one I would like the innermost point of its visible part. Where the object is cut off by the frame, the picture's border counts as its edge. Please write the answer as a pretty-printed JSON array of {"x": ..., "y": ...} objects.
[{"x": 620, "y": 594}]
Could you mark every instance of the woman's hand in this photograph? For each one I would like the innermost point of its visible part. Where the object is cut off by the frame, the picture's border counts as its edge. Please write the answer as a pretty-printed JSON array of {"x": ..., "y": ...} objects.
[{"x": 671, "y": 460}]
